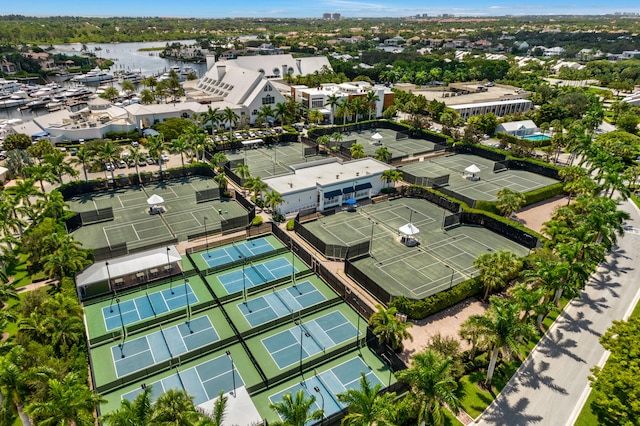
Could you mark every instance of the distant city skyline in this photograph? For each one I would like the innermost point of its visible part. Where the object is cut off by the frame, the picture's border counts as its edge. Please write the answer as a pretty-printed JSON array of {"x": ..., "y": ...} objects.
[{"x": 297, "y": 9}]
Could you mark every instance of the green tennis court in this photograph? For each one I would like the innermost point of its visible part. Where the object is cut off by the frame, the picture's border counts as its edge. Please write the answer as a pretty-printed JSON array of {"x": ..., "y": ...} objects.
[
  {"x": 133, "y": 225},
  {"x": 443, "y": 258},
  {"x": 386, "y": 137}
]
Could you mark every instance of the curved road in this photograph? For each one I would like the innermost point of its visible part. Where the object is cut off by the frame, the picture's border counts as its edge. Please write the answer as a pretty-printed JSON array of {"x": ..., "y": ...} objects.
[{"x": 551, "y": 386}]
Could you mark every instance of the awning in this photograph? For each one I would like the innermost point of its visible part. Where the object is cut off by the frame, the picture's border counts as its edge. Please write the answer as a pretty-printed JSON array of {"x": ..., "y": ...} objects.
[
  {"x": 348, "y": 190},
  {"x": 331, "y": 194},
  {"x": 40, "y": 135},
  {"x": 472, "y": 169},
  {"x": 363, "y": 186},
  {"x": 150, "y": 132}
]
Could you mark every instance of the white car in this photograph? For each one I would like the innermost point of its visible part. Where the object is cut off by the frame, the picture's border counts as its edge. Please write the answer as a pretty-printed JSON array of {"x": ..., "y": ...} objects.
[{"x": 164, "y": 158}]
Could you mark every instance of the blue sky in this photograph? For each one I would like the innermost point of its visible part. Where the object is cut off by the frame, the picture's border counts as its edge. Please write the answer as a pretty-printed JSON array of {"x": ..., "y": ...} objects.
[{"x": 311, "y": 8}]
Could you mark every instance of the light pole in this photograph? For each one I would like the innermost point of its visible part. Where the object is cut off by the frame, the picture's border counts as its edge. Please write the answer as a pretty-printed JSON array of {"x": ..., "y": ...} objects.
[
  {"x": 106, "y": 264},
  {"x": 386, "y": 358},
  {"x": 357, "y": 304},
  {"x": 452, "y": 272},
  {"x": 186, "y": 294},
  {"x": 317, "y": 389},
  {"x": 299, "y": 324},
  {"x": 206, "y": 237},
  {"x": 293, "y": 265},
  {"x": 123, "y": 330},
  {"x": 169, "y": 269},
  {"x": 244, "y": 281},
  {"x": 371, "y": 239},
  {"x": 410, "y": 214},
  {"x": 233, "y": 372}
]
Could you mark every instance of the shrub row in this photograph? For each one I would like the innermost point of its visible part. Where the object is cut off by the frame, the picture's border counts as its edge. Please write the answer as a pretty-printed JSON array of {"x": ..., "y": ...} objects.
[{"x": 419, "y": 309}]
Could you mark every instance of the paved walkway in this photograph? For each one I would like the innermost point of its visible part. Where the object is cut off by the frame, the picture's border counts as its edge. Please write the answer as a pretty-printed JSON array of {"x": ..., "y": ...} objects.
[{"x": 551, "y": 386}]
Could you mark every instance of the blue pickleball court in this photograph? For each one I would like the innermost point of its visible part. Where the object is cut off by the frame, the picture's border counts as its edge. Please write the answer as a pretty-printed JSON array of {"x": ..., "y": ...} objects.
[
  {"x": 147, "y": 306},
  {"x": 252, "y": 274},
  {"x": 242, "y": 250},
  {"x": 317, "y": 335}
]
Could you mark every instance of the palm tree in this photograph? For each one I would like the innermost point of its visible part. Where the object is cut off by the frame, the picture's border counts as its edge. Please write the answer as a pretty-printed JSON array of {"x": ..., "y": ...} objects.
[
  {"x": 337, "y": 138},
  {"x": 258, "y": 187},
  {"x": 147, "y": 97},
  {"x": 265, "y": 112},
  {"x": 315, "y": 116},
  {"x": 432, "y": 386},
  {"x": 282, "y": 113},
  {"x": 221, "y": 180},
  {"x": 16, "y": 381},
  {"x": 242, "y": 171},
  {"x": 136, "y": 154},
  {"x": 497, "y": 269},
  {"x": 232, "y": 118},
  {"x": 40, "y": 172},
  {"x": 509, "y": 201},
  {"x": 358, "y": 106},
  {"x": 367, "y": 407},
  {"x": 176, "y": 408},
  {"x": 383, "y": 154},
  {"x": 500, "y": 331},
  {"x": 391, "y": 176},
  {"x": 83, "y": 156},
  {"x": 324, "y": 140},
  {"x": 212, "y": 116},
  {"x": 388, "y": 328},
  {"x": 58, "y": 165},
  {"x": 67, "y": 403},
  {"x": 181, "y": 145},
  {"x": 54, "y": 206},
  {"x": 295, "y": 412},
  {"x": 128, "y": 87},
  {"x": 357, "y": 151},
  {"x": 155, "y": 147},
  {"x": 344, "y": 106},
  {"x": 370, "y": 100},
  {"x": 132, "y": 413},
  {"x": 333, "y": 101},
  {"x": 151, "y": 82},
  {"x": 110, "y": 94},
  {"x": 219, "y": 160},
  {"x": 25, "y": 191},
  {"x": 273, "y": 199},
  {"x": 66, "y": 258},
  {"x": 108, "y": 152}
]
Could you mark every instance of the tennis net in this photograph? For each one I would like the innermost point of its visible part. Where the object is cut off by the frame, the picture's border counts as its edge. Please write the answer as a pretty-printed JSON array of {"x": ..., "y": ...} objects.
[
  {"x": 286, "y": 305},
  {"x": 165, "y": 341},
  {"x": 238, "y": 250},
  {"x": 308, "y": 334},
  {"x": 150, "y": 304},
  {"x": 255, "y": 268}
]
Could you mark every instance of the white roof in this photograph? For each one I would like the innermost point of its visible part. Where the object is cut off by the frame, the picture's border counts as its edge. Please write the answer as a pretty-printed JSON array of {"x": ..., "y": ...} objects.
[
  {"x": 301, "y": 66},
  {"x": 510, "y": 126},
  {"x": 325, "y": 174},
  {"x": 472, "y": 169},
  {"x": 127, "y": 265},
  {"x": 409, "y": 229},
  {"x": 490, "y": 103}
]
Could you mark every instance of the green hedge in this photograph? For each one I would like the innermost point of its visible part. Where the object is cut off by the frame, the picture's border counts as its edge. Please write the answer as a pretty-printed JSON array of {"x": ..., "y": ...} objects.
[
  {"x": 544, "y": 193},
  {"x": 487, "y": 206},
  {"x": 419, "y": 309}
]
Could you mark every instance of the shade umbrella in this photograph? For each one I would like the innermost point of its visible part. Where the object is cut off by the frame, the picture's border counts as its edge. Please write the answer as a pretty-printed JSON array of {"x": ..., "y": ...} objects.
[
  {"x": 472, "y": 169},
  {"x": 377, "y": 136},
  {"x": 155, "y": 199},
  {"x": 350, "y": 201},
  {"x": 409, "y": 229}
]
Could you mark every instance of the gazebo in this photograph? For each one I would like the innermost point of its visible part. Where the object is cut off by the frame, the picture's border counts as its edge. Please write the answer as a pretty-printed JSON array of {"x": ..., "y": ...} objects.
[
  {"x": 408, "y": 233},
  {"x": 154, "y": 202},
  {"x": 471, "y": 172},
  {"x": 377, "y": 138}
]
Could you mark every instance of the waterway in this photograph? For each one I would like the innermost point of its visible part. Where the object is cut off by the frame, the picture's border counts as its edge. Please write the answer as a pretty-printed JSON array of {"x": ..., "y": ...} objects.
[{"x": 126, "y": 57}]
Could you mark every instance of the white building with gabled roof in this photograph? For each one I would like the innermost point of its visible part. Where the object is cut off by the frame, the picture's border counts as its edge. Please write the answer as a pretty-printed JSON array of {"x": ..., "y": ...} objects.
[{"x": 278, "y": 66}]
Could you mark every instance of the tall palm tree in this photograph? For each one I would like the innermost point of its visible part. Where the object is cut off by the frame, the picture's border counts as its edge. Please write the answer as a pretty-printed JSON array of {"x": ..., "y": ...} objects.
[
  {"x": 295, "y": 411},
  {"x": 221, "y": 180},
  {"x": 132, "y": 413},
  {"x": 391, "y": 176},
  {"x": 265, "y": 112},
  {"x": 213, "y": 117},
  {"x": 315, "y": 116},
  {"x": 273, "y": 199},
  {"x": 497, "y": 269},
  {"x": 136, "y": 154},
  {"x": 358, "y": 106},
  {"x": 388, "y": 328},
  {"x": 25, "y": 192},
  {"x": 345, "y": 107},
  {"x": 59, "y": 165},
  {"x": 432, "y": 385},
  {"x": 367, "y": 406},
  {"x": 155, "y": 147},
  {"x": 232, "y": 118},
  {"x": 370, "y": 99},
  {"x": 41, "y": 173},
  {"x": 337, "y": 138},
  {"x": 181, "y": 146},
  {"x": 66, "y": 332},
  {"x": 176, "y": 408},
  {"x": 66, "y": 258},
  {"x": 500, "y": 331},
  {"x": 68, "y": 402},
  {"x": 108, "y": 152},
  {"x": 16, "y": 381},
  {"x": 333, "y": 101},
  {"x": 83, "y": 156},
  {"x": 219, "y": 160},
  {"x": 282, "y": 113},
  {"x": 258, "y": 187}
]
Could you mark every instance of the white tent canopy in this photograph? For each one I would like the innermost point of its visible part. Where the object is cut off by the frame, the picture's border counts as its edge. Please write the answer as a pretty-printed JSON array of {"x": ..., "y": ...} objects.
[
  {"x": 377, "y": 136},
  {"x": 155, "y": 199},
  {"x": 472, "y": 169},
  {"x": 409, "y": 229}
]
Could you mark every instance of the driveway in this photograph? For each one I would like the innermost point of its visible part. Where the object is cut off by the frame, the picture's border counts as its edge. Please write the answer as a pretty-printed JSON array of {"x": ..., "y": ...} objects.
[{"x": 551, "y": 386}]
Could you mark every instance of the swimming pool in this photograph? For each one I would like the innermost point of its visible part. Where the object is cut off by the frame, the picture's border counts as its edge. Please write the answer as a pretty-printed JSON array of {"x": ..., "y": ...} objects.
[{"x": 536, "y": 137}]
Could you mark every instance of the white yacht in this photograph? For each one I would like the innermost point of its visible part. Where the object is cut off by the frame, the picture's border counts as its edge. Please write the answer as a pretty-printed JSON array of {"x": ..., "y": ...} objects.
[
  {"x": 96, "y": 75},
  {"x": 132, "y": 76}
]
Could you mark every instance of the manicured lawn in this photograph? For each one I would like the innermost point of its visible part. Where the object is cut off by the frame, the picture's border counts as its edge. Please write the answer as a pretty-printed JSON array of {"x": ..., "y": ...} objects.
[{"x": 474, "y": 399}]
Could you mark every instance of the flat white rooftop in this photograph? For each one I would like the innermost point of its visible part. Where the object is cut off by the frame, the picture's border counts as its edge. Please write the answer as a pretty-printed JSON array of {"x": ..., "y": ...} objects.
[{"x": 310, "y": 175}]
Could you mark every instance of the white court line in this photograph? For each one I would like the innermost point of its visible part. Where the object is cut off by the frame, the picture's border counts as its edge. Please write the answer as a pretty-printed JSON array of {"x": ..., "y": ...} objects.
[
  {"x": 196, "y": 219},
  {"x": 200, "y": 380},
  {"x": 150, "y": 350},
  {"x": 120, "y": 201}
]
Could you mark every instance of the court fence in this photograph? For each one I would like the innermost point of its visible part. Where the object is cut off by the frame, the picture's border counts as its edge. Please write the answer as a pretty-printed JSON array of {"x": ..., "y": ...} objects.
[{"x": 363, "y": 279}]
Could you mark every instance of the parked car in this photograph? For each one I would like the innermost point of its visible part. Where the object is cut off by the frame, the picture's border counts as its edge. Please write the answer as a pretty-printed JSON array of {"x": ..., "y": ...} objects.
[
  {"x": 108, "y": 167},
  {"x": 142, "y": 162},
  {"x": 134, "y": 144},
  {"x": 73, "y": 151},
  {"x": 122, "y": 164},
  {"x": 150, "y": 161},
  {"x": 164, "y": 158}
]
